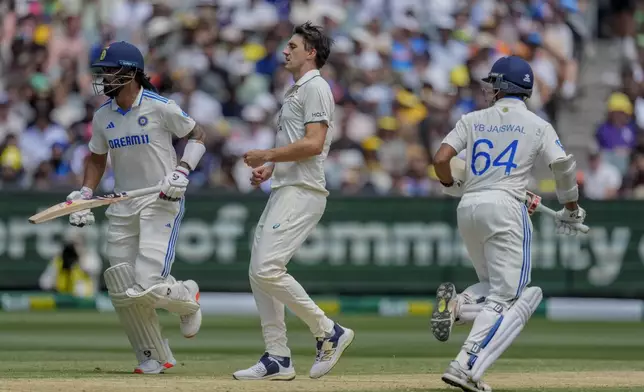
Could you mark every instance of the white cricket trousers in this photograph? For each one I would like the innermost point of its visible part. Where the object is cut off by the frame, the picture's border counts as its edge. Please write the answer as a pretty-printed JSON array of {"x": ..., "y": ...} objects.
[
  {"x": 290, "y": 215},
  {"x": 497, "y": 233},
  {"x": 147, "y": 240}
]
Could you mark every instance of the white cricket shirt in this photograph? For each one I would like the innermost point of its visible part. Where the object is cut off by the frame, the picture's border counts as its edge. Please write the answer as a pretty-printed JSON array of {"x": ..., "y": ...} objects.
[
  {"x": 139, "y": 140},
  {"x": 309, "y": 100},
  {"x": 502, "y": 144}
]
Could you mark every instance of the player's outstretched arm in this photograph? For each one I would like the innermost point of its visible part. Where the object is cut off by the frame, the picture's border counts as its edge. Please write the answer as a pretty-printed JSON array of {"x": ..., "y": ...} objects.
[{"x": 309, "y": 146}]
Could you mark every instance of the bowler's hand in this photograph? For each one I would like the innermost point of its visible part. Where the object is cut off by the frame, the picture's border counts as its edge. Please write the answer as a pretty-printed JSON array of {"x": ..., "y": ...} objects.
[
  {"x": 256, "y": 158},
  {"x": 261, "y": 174}
]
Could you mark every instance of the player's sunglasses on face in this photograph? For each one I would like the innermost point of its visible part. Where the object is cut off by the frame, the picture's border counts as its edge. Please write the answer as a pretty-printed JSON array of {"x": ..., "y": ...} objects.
[{"x": 107, "y": 81}]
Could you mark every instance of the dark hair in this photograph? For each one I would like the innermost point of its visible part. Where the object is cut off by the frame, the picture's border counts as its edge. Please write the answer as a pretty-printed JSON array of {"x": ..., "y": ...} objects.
[
  {"x": 144, "y": 80},
  {"x": 314, "y": 38}
]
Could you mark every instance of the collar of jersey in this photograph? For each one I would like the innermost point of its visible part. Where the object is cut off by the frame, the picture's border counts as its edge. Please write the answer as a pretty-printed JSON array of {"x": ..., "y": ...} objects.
[
  {"x": 510, "y": 101},
  {"x": 308, "y": 76},
  {"x": 139, "y": 97}
]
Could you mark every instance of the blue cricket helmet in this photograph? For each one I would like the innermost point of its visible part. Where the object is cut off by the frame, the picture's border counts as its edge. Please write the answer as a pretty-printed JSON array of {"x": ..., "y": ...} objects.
[
  {"x": 120, "y": 55},
  {"x": 116, "y": 66},
  {"x": 511, "y": 75}
]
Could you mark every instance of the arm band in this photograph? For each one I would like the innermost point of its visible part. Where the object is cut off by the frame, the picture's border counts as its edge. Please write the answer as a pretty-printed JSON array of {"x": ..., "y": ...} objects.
[
  {"x": 192, "y": 153},
  {"x": 565, "y": 172}
]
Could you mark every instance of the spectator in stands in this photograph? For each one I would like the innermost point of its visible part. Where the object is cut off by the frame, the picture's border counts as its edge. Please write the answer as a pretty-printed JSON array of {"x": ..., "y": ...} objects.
[
  {"x": 617, "y": 135},
  {"x": 602, "y": 180}
]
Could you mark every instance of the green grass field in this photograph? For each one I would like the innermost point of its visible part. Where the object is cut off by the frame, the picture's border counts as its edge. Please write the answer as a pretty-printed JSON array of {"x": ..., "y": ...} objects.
[{"x": 66, "y": 351}]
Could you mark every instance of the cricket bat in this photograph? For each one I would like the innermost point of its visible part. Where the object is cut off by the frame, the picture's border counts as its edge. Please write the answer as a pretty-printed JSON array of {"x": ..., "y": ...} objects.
[
  {"x": 71, "y": 206},
  {"x": 457, "y": 166}
]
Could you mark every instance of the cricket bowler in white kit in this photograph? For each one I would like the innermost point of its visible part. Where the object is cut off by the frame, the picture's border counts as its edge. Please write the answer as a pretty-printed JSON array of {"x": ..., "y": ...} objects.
[
  {"x": 295, "y": 206},
  {"x": 135, "y": 127},
  {"x": 502, "y": 145}
]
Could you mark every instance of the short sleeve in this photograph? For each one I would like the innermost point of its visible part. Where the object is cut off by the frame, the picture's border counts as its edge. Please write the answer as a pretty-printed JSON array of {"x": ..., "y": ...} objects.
[
  {"x": 551, "y": 147},
  {"x": 457, "y": 138},
  {"x": 98, "y": 143},
  {"x": 176, "y": 121},
  {"x": 318, "y": 105}
]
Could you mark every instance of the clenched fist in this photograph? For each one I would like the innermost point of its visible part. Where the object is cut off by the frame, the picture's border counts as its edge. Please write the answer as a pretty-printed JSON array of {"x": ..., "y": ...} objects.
[{"x": 261, "y": 174}]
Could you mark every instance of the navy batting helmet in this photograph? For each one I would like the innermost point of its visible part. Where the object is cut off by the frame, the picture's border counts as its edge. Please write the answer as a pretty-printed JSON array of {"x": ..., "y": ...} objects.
[
  {"x": 511, "y": 75},
  {"x": 117, "y": 65}
]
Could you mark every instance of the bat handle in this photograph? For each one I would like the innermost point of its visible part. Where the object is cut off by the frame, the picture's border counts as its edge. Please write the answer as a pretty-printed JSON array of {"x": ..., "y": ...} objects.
[
  {"x": 143, "y": 191},
  {"x": 548, "y": 211}
]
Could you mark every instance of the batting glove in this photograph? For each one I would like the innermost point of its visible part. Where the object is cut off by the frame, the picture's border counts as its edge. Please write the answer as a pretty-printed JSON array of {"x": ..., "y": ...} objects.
[
  {"x": 532, "y": 202},
  {"x": 175, "y": 184},
  {"x": 83, "y": 217},
  {"x": 565, "y": 219},
  {"x": 455, "y": 190}
]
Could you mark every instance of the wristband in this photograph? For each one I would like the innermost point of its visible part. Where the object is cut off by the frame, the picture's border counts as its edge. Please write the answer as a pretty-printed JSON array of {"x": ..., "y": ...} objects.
[
  {"x": 192, "y": 153},
  {"x": 447, "y": 185}
]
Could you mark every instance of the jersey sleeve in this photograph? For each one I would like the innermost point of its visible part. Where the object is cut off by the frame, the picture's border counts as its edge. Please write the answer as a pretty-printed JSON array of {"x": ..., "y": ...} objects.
[
  {"x": 98, "y": 143},
  {"x": 457, "y": 138},
  {"x": 551, "y": 147},
  {"x": 317, "y": 105},
  {"x": 176, "y": 121}
]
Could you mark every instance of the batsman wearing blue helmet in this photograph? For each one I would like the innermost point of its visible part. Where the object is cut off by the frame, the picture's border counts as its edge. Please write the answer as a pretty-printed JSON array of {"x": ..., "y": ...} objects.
[
  {"x": 135, "y": 128},
  {"x": 502, "y": 144}
]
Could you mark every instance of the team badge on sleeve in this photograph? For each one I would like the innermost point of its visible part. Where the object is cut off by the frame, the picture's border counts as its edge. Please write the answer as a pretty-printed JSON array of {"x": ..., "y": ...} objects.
[{"x": 143, "y": 121}]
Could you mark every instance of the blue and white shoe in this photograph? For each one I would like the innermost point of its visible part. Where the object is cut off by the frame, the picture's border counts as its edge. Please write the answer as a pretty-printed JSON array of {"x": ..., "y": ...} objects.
[
  {"x": 329, "y": 350},
  {"x": 268, "y": 368}
]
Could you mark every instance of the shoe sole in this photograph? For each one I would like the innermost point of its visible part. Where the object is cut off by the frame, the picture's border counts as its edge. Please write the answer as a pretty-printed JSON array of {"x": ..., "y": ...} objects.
[
  {"x": 441, "y": 321},
  {"x": 458, "y": 383},
  {"x": 342, "y": 349},
  {"x": 276, "y": 377}
]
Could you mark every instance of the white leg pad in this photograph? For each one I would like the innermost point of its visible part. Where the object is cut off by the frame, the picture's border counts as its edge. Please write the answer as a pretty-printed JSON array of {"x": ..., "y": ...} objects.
[
  {"x": 171, "y": 295},
  {"x": 140, "y": 322},
  {"x": 509, "y": 327}
]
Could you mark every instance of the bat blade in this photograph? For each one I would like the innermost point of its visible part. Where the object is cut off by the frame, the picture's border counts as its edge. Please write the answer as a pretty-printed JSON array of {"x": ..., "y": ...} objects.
[{"x": 71, "y": 206}]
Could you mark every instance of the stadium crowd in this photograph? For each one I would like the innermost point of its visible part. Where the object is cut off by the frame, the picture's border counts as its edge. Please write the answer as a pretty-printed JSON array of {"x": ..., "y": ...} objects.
[{"x": 402, "y": 72}]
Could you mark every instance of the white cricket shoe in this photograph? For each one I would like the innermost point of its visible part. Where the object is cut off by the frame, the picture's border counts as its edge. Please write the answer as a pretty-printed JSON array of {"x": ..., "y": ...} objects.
[
  {"x": 329, "y": 350},
  {"x": 444, "y": 313},
  {"x": 191, "y": 323},
  {"x": 152, "y": 366},
  {"x": 268, "y": 368},
  {"x": 458, "y": 377}
]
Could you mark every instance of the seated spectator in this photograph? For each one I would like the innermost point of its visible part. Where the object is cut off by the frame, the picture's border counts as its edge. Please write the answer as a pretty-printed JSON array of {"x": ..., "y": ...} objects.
[
  {"x": 617, "y": 135},
  {"x": 602, "y": 180}
]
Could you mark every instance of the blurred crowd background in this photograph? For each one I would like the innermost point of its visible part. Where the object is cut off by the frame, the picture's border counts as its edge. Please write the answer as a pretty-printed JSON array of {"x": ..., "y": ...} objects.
[{"x": 402, "y": 73}]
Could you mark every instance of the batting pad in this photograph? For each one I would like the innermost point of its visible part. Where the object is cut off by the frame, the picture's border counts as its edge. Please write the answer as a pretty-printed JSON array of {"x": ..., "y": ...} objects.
[
  {"x": 173, "y": 297},
  {"x": 513, "y": 322},
  {"x": 140, "y": 322}
]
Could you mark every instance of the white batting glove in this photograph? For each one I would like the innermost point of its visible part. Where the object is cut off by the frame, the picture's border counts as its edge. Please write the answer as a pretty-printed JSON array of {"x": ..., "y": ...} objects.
[
  {"x": 175, "y": 184},
  {"x": 83, "y": 217},
  {"x": 565, "y": 219},
  {"x": 455, "y": 190}
]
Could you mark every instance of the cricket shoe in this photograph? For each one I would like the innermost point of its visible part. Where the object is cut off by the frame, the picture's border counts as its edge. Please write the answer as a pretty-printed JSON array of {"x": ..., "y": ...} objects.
[
  {"x": 329, "y": 350},
  {"x": 457, "y": 377},
  {"x": 268, "y": 368},
  {"x": 444, "y": 313},
  {"x": 191, "y": 323},
  {"x": 152, "y": 366}
]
